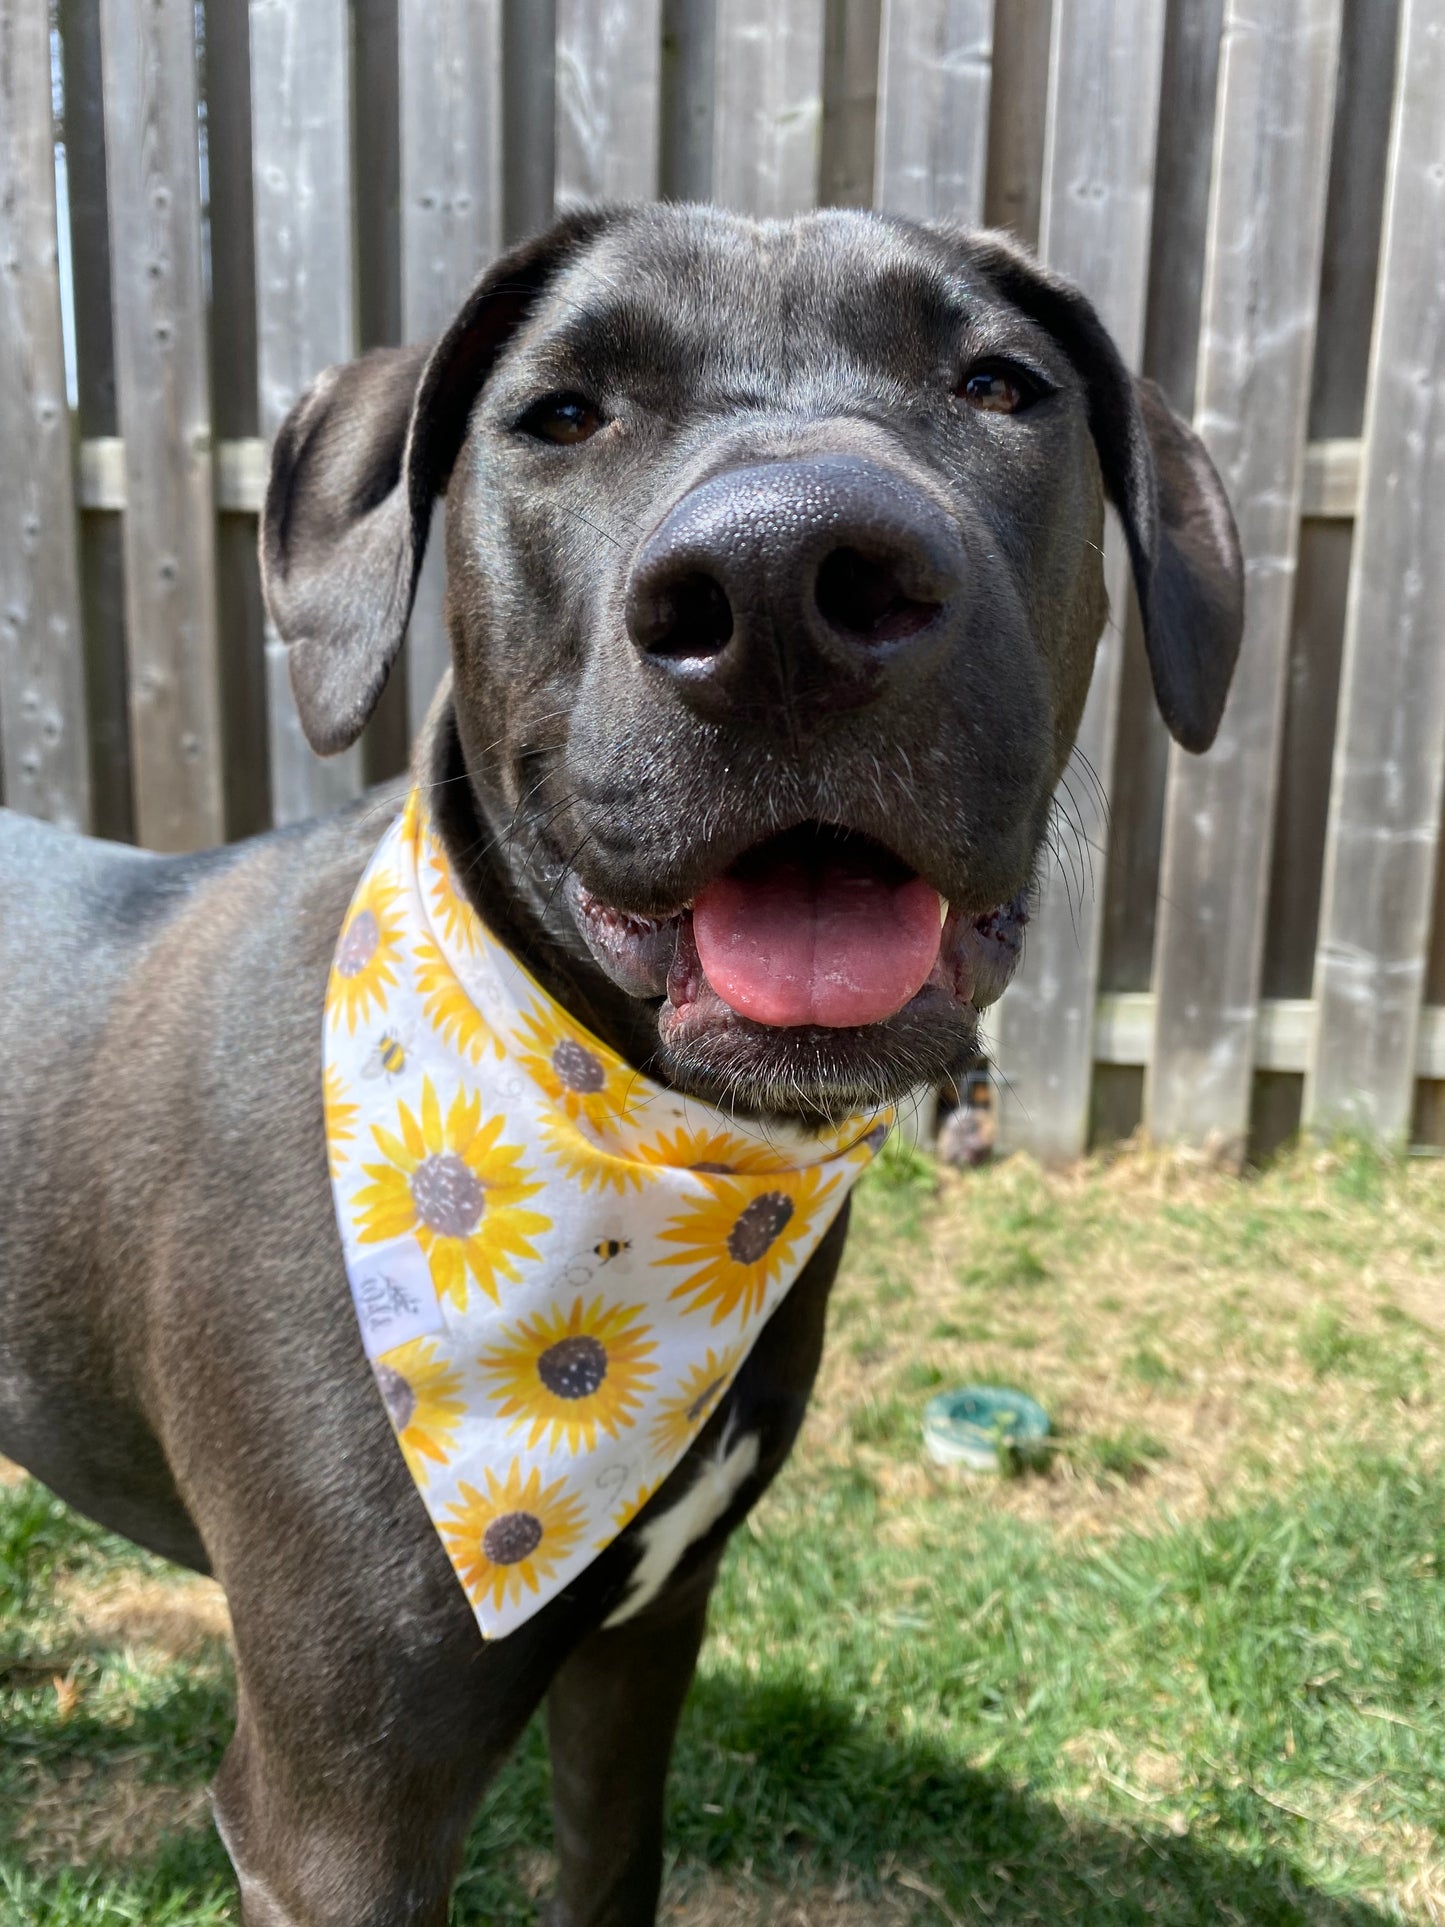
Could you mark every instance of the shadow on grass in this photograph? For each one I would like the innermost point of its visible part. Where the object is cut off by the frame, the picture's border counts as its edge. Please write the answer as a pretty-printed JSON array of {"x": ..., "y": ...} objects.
[
  {"x": 807, "y": 1790},
  {"x": 777, "y": 1787}
]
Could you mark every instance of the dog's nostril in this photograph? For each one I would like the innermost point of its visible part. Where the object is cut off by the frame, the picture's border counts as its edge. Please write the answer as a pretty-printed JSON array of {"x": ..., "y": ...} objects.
[
  {"x": 864, "y": 598},
  {"x": 687, "y": 617}
]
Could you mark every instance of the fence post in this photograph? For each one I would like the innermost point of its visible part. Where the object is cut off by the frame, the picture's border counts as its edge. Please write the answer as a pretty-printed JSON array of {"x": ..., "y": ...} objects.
[
  {"x": 43, "y": 753},
  {"x": 451, "y": 227},
  {"x": 164, "y": 406},
  {"x": 305, "y": 298},
  {"x": 1384, "y": 816}
]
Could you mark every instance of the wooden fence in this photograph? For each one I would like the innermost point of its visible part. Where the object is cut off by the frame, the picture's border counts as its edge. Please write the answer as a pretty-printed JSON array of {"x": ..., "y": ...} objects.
[{"x": 202, "y": 205}]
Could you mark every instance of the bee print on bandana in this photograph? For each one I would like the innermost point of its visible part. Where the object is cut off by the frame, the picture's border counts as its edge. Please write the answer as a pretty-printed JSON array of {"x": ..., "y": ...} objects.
[{"x": 388, "y": 1057}]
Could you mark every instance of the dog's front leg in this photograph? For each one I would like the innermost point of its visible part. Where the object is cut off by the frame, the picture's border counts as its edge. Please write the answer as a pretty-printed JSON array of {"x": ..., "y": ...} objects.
[
  {"x": 612, "y": 1712},
  {"x": 365, "y": 1738}
]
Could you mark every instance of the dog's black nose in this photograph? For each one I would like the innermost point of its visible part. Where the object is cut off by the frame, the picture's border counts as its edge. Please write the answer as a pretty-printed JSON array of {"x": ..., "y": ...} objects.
[{"x": 817, "y": 582}]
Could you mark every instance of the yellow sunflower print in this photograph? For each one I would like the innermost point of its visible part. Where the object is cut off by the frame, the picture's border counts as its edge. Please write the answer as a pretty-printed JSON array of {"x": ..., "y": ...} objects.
[
  {"x": 572, "y": 1374},
  {"x": 422, "y": 1396},
  {"x": 681, "y": 1417},
  {"x": 460, "y": 924},
  {"x": 864, "y": 1149},
  {"x": 512, "y": 1537},
  {"x": 585, "y": 1162},
  {"x": 712, "y": 1150},
  {"x": 448, "y": 1009},
  {"x": 581, "y": 1076},
  {"x": 740, "y": 1239},
  {"x": 361, "y": 971},
  {"x": 456, "y": 1189},
  {"x": 339, "y": 1116},
  {"x": 629, "y": 1509}
]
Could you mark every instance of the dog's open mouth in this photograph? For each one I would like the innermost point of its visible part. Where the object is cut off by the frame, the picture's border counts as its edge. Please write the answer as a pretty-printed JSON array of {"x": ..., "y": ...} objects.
[{"x": 819, "y": 943}]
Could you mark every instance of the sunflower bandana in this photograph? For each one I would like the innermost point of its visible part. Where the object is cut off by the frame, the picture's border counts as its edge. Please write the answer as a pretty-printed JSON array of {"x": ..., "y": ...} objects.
[{"x": 558, "y": 1265}]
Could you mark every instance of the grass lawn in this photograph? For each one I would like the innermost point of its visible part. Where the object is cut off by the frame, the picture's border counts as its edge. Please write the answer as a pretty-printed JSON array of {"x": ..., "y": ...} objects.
[{"x": 1193, "y": 1670}]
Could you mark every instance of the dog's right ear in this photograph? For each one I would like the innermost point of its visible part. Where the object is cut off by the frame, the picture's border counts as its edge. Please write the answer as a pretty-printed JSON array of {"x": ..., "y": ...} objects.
[
  {"x": 355, "y": 470},
  {"x": 1183, "y": 544}
]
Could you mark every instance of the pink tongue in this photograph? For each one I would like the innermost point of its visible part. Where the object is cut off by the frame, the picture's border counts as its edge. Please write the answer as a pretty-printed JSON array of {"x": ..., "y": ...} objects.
[{"x": 836, "y": 945}]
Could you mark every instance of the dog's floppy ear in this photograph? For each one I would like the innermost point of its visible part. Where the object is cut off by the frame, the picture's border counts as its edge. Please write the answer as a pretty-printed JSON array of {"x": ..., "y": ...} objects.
[
  {"x": 1182, "y": 540},
  {"x": 354, "y": 473}
]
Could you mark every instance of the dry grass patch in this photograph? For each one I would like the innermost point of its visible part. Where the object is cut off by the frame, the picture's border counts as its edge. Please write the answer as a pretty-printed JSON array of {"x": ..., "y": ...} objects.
[
  {"x": 97, "y": 1811},
  {"x": 1193, "y": 1336},
  {"x": 732, "y": 1903},
  {"x": 171, "y": 1618}
]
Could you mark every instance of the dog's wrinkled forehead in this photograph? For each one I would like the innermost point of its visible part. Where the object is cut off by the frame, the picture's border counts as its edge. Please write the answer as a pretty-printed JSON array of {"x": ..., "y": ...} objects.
[{"x": 827, "y": 314}]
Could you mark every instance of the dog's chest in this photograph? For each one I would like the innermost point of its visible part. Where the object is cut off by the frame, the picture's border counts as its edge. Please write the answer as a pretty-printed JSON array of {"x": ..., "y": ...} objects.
[{"x": 717, "y": 1480}]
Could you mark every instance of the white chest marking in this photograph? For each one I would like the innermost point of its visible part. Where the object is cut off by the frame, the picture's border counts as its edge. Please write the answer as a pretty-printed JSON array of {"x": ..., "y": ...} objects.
[{"x": 665, "y": 1540}]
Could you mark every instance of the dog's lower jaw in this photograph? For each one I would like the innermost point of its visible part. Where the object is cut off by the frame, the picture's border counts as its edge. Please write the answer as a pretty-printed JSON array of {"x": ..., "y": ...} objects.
[
  {"x": 816, "y": 1073},
  {"x": 817, "y": 1076}
]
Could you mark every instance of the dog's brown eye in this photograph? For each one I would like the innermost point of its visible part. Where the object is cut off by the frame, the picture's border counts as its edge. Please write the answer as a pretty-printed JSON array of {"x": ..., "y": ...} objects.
[
  {"x": 1000, "y": 388},
  {"x": 564, "y": 419}
]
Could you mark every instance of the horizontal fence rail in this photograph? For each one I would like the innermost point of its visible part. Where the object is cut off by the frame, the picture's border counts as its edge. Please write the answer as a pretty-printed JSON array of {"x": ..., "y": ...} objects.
[
  {"x": 203, "y": 206},
  {"x": 1331, "y": 479}
]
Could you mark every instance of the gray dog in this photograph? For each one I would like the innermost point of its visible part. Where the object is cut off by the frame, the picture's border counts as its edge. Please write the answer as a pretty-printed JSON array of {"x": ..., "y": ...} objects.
[{"x": 767, "y": 543}]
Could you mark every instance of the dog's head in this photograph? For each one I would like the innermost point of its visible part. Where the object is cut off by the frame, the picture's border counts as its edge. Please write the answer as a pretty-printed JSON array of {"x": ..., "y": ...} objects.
[{"x": 774, "y": 580}]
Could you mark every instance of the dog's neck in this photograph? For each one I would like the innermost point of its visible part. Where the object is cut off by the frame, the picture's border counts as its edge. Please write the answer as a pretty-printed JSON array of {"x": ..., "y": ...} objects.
[{"x": 482, "y": 853}]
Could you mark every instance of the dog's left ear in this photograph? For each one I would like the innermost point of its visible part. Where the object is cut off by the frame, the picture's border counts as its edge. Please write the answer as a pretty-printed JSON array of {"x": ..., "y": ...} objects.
[
  {"x": 355, "y": 470},
  {"x": 1188, "y": 570}
]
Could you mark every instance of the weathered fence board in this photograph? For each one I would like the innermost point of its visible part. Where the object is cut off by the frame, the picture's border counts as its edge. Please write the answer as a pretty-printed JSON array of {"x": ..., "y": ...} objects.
[
  {"x": 43, "y": 751},
  {"x": 305, "y": 297},
  {"x": 1018, "y": 107},
  {"x": 163, "y": 397},
  {"x": 935, "y": 71},
  {"x": 1187, "y": 89},
  {"x": 451, "y": 226},
  {"x": 529, "y": 100},
  {"x": 1384, "y": 818},
  {"x": 850, "y": 102},
  {"x": 609, "y": 97},
  {"x": 1354, "y": 206},
  {"x": 1271, "y": 158},
  {"x": 1096, "y": 216},
  {"x": 768, "y": 129},
  {"x": 688, "y": 80}
]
